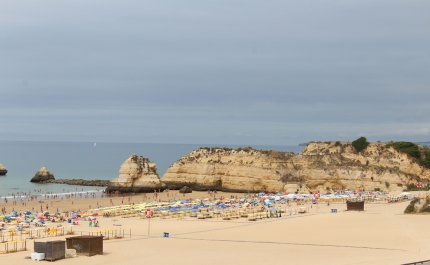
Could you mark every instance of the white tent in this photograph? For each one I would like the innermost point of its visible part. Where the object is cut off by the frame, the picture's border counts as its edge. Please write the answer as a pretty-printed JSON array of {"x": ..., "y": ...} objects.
[{"x": 406, "y": 195}]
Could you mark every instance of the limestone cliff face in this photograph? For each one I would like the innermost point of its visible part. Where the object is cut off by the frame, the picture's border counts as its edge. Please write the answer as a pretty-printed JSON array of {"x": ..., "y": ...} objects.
[
  {"x": 3, "y": 170},
  {"x": 136, "y": 174},
  {"x": 42, "y": 175},
  {"x": 335, "y": 164},
  {"x": 318, "y": 167},
  {"x": 228, "y": 170}
]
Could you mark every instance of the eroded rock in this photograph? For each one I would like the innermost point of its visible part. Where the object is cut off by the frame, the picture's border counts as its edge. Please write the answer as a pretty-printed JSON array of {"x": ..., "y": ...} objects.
[
  {"x": 42, "y": 175},
  {"x": 3, "y": 170},
  {"x": 185, "y": 189},
  {"x": 136, "y": 174}
]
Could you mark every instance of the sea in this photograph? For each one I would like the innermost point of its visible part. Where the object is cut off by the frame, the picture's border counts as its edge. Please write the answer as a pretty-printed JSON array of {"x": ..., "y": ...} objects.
[{"x": 81, "y": 160}]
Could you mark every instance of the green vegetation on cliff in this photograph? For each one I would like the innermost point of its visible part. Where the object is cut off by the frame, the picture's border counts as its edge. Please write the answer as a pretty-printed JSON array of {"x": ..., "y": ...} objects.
[
  {"x": 360, "y": 144},
  {"x": 426, "y": 161},
  {"x": 413, "y": 150},
  {"x": 406, "y": 147}
]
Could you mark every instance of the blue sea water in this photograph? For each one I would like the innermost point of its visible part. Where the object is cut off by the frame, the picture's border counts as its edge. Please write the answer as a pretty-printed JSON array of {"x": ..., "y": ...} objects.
[{"x": 71, "y": 160}]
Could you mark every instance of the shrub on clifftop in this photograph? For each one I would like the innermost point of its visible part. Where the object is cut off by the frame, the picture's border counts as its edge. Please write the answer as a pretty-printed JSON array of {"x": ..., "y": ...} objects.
[
  {"x": 426, "y": 161},
  {"x": 360, "y": 144},
  {"x": 406, "y": 147}
]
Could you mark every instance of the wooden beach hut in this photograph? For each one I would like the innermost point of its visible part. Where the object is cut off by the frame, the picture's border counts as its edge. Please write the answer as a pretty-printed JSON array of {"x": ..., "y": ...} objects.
[
  {"x": 86, "y": 245},
  {"x": 355, "y": 206},
  {"x": 53, "y": 250}
]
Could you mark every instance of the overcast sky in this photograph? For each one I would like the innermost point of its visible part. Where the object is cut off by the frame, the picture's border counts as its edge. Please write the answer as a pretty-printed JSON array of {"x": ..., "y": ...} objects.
[{"x": 215, "y": 72}]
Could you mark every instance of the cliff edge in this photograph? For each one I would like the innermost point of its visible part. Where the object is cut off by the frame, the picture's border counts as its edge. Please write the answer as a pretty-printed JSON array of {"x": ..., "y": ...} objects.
[{"x": 319, "y": 167}]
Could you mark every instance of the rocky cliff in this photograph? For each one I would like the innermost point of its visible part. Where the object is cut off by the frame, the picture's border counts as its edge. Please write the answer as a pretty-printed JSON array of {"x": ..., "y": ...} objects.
[
  {"x": 136, "y": 174},
  {"x": 419, "y": 205},
  {"x": 42, "y": 175},
  {"x": 228, "y": 170},
  {"x": 3, "y": 170},
  {"x": 320, "y": 166}
]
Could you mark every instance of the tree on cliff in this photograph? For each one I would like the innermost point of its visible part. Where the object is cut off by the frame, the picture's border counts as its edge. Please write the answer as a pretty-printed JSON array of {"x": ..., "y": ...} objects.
[{"x": 360, "y": 144}]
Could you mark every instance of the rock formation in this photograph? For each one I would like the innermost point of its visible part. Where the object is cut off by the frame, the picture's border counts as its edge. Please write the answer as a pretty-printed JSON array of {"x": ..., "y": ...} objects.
[
  {"x": 3, "y": 170},
  {"x": 319, "y": 167},
  {"x": 79, "y": 182},
  {"x": 227, "y": 169},
  {"x": 419, "y": 205},
  {"x": 137, "y": 174},
  {"x": 42, "y": 175},
  {"x": 185, "y": 189}
]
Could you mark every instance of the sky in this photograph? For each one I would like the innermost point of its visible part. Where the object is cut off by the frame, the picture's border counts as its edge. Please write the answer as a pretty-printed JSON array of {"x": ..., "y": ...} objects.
[{"x": 214, "y": 72}]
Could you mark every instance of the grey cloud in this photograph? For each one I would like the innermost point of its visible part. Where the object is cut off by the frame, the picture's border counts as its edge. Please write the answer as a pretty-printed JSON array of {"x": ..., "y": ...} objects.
[{"x": 243, "y": 71}]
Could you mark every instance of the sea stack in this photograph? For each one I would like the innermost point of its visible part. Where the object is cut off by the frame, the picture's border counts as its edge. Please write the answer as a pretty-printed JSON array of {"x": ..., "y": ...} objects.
[
  {"x": 3, "y": 170},
  {"x": 136, "y": 174},
  {"x": 42, "y": 175}
]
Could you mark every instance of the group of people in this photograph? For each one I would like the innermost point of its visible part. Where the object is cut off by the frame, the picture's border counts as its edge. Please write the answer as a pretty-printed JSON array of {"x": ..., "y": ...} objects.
[{"x": 95, "y": 222}]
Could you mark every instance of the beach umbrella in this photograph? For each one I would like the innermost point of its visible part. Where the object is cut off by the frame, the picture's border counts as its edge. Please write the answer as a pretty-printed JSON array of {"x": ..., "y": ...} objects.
[
  {"x": 95, "y": 214},
  {"x": 41, "y": 217}
]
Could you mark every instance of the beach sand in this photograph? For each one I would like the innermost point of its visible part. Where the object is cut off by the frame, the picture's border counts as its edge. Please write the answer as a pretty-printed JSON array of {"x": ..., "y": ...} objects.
[{"x": 381, "y": 234}]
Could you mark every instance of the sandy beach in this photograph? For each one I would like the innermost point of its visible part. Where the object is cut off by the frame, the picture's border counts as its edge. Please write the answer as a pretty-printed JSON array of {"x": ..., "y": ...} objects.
[{"x": 381, "y": 234}]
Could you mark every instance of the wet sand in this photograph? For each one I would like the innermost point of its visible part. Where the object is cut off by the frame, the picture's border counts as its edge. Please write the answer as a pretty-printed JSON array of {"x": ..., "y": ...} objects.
[{"x": 381, "y": 234}]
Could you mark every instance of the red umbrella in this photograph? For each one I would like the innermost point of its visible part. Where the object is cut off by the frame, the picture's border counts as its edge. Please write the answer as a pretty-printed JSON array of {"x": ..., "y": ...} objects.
[
  {"x": 41, "y": 217},
  {"x": 95, "y": 214}
]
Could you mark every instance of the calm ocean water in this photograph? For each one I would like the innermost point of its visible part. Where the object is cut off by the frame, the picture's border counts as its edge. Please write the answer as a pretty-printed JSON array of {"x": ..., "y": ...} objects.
[{"x": 83, "y": 161}]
